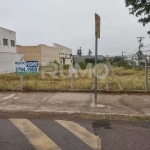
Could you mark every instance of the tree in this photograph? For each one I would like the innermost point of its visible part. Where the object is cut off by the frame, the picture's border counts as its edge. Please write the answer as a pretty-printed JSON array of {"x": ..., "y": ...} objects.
[
  {"x": 89, "y": 52},
  {"x": 140, "y": 8},
  {"x": 79, "y": 52}
]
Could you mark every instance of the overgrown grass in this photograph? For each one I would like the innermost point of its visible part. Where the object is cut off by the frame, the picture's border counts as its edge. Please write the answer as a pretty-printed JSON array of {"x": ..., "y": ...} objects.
[{"x": 129, "y": 79}]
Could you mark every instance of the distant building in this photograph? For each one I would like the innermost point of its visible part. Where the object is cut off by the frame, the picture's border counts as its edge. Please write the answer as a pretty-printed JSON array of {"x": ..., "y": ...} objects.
[
  {"x": 7, "y": 41},
  {"x": 78, "y": 59},
  {"x": 131, "y": 59},
  {"x": 64, "y": 53},
  {"x": 45, "y": 54},
  {"x": 42, "y": 53},
  {"x": 8, "y": 53}
]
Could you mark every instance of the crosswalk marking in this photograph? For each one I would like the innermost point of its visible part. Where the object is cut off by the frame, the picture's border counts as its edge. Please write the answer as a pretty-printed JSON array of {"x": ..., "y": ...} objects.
[
  {"x": 35, "y": 136},
  {"x": 7, "y": 97},
  {"x": 83, "y": 134}
]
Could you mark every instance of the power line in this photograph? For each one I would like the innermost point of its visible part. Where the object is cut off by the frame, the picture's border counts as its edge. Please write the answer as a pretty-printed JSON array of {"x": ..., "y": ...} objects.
[
  {"x": 126, "y": 50},
  {"x": 132, "y": 51},
  {"x": 146, "y": 46},
  {"x": 146, "y": 51}
]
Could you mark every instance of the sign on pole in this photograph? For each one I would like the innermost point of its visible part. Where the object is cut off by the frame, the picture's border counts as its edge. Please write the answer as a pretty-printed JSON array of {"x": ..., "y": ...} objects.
[
  {"x": 97, "y": 25},
  {"x": 97, "y": 35},
  {"x": 26, "y": 67}
]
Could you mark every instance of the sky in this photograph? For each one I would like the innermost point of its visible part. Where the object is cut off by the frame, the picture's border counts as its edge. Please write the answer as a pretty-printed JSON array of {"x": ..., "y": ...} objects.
[{"x": 72, "y": 23}]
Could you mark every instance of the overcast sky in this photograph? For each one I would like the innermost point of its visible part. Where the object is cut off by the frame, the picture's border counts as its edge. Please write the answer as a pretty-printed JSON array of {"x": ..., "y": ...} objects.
[{"x": 71, "y": 23}]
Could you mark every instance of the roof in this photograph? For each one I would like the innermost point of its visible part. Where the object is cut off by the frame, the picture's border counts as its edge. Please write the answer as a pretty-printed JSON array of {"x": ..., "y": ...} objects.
[{"x": 7, "y": 29}]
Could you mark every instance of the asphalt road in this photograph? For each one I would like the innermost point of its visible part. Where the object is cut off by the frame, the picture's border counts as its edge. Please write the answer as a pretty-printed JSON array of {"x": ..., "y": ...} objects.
[{"x": 50, "y": 134}]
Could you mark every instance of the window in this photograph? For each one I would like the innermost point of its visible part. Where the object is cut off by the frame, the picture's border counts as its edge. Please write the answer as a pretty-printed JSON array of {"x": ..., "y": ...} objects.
[
  {"x": 13, "y": 43},
  {"x": 5, "y": 42}
]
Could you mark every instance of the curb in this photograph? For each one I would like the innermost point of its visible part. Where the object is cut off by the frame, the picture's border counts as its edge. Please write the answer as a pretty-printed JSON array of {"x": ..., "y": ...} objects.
[{"x": 71, "y": 115}]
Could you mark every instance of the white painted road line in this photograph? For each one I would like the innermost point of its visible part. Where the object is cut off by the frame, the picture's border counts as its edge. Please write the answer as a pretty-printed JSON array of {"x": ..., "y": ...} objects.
[
  {"x": 83, "y": 134},
  {"x": 7, "y": 97},
  {"x": 35, "y": 136}
]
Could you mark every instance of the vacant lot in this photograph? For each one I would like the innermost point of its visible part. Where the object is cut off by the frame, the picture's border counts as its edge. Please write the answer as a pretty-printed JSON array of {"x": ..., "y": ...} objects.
[{"x": 129, "y": 79}]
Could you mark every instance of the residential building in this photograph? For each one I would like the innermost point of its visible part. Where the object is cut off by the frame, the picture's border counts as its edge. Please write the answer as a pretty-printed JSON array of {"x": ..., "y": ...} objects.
[
  {"x": 41, "y": 53},
  {"x": 8, "y": 54},
  {"x": 7, "y": 41},
  {"x": 64, "y": 53},
  {"x": 133, "y": 59},
  {"x": 45, "y": 54}
]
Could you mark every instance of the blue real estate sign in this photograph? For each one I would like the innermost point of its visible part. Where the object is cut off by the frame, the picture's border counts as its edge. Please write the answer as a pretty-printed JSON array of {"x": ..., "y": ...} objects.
[{"x": 26, "y": 67}]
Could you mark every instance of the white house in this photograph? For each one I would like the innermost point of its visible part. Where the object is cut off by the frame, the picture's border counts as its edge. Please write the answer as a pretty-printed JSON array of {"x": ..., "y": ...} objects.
[
  {"x": 134, "y": 58},
  {"x": 7, "y": 41},
  {"x": 8, "y": 54}
]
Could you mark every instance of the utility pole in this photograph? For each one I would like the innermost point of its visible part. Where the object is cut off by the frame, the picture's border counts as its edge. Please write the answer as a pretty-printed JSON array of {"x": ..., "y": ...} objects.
[
  {"x": 124, "y": 52},
  {"x": 140, "y": 42}
]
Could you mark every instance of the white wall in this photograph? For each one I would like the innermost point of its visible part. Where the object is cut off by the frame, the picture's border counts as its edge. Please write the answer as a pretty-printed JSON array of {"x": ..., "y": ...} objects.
[
  {"x": 49, "y": 54},
  {"x": 67, "y": 61},
  {"x": 64, "y": 52},
  {"x": 10, "y": 35},
  {"x": 7, "y": 61}
]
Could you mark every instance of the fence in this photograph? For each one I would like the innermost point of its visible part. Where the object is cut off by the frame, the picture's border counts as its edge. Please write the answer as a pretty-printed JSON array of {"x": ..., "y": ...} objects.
[{"x": 118, "y": 79}]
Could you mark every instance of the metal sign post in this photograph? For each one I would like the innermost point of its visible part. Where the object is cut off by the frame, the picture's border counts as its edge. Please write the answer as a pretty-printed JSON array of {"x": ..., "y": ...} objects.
[
  {"x": 97, "y": 35},
  {"x": 21, "y": 82},
  {"x": 26, "y": 67}
]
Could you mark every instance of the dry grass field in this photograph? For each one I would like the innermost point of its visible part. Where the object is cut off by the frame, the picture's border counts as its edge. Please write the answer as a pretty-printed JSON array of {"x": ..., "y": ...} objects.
[{"x": 129, "y": 79}]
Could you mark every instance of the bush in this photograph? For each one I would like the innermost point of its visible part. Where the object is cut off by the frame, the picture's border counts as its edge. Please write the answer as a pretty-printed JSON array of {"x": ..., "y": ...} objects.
[
  {"x": 92, "y": 60},
  {"x": 66, "y": 67},
  {"x": 83, "y": 65}
]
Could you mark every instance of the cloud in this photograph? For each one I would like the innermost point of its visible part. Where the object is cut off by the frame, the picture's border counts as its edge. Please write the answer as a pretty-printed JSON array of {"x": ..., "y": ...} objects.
[{"x": 71, "y": 23}]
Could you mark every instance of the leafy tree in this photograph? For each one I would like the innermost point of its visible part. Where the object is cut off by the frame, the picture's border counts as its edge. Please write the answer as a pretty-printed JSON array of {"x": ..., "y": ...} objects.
[
  {"x": 140, "y": 8},
  {"x": 79, "y": 52},
  {"x": 92, "y": 60},
  {"x": 117, "y": 58},
  {"x": 89, "y": 52}
]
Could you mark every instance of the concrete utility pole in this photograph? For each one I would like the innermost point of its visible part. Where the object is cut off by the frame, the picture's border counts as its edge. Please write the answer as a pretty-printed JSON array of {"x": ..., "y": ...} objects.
[
  {"x": 140, "y": 40},
  {"x": 124, "y": 52}
]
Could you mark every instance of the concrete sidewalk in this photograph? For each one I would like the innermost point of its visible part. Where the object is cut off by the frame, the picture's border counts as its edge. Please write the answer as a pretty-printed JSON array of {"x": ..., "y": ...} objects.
[{"x": 123, "y": 104}]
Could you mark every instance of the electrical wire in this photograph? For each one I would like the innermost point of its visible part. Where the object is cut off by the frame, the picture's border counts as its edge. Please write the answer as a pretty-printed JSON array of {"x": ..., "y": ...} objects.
[
  {"x": 126, "y": 51},
  {"x": 132, "y": 51},
  {"x": 146, "y": 46}
]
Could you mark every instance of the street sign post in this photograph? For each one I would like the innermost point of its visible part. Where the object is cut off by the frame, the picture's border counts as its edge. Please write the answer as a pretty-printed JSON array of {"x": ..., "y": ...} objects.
[
  {"x": 97, "y": 35},
  {"x": 26, "y": 67},
  {"x": 97, "y": 26}
]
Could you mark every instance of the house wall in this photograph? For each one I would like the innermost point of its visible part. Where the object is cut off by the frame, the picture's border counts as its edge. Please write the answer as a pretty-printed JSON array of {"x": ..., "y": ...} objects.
[
  {"x": 49, "y": 54},
  {"x": 64, "y": 52},
  {"x": 7, "y": 61},
  {"x": 42, "y": 53},
  {"x": 30, "y": 52},
  {"x": 10, "y": 35}
]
